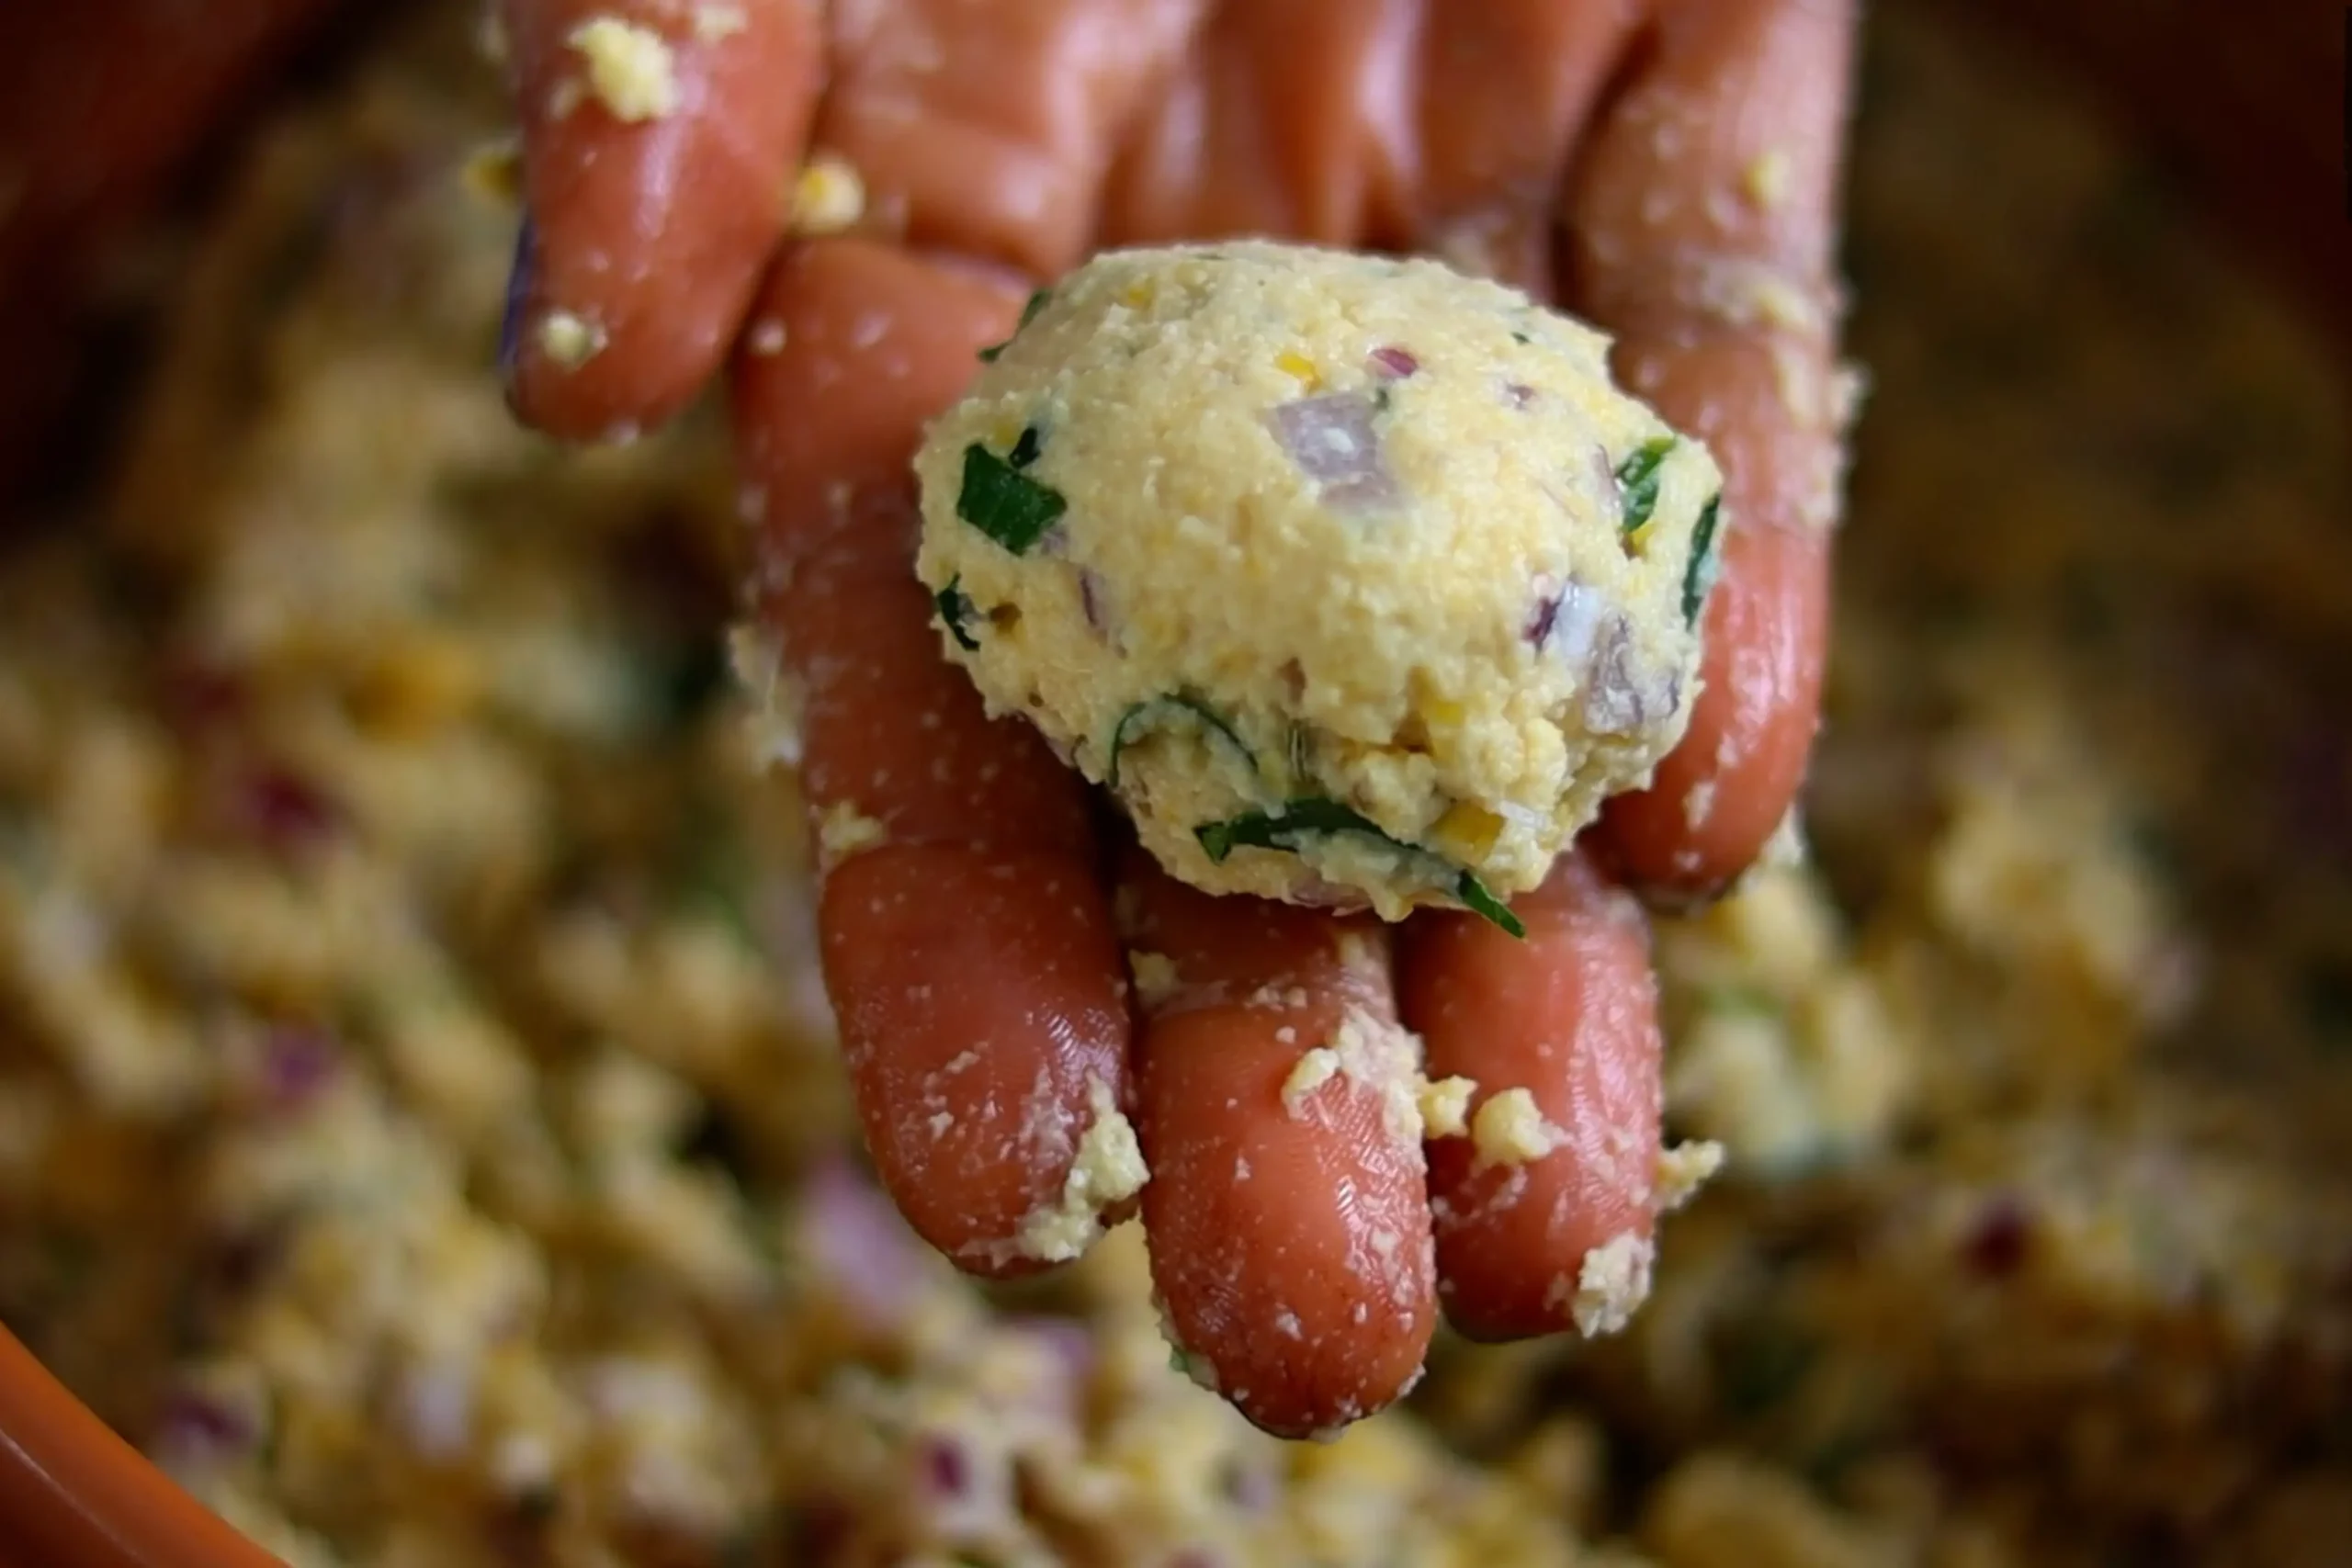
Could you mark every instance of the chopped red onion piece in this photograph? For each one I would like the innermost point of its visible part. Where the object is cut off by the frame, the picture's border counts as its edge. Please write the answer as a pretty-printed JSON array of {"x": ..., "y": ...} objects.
[
  {"x": 1601, "y": 491},
  {"x": 297, "y": 1063},
  {"x": 1540, "y": 620},
  {"x": 859, "y": 1243},
  {"x": 1334, "y": 443},
  {"x": 284, "y": 809},
  {"x": 1616, "y": 700},
  {"x": 945, "y": 1467},
  {"x": 1392, "y": 360},
  {"x": 436, "y": 1407},
  {"x": 1093, "y": 597},
  {"x": 1068, "y": 1345},
  {"x": 1517, "y": 394},
  {"x": 965, "y": 1490},
  {"x": 234, "y": 1263},
  {"x": 1253, "y": 1486},
  {"x": 197, "y": 694},
  {"x": 1999, "y": 1242},
  {"x": 1565, "y": 619},
  {"x": 194, "y": 1426}
]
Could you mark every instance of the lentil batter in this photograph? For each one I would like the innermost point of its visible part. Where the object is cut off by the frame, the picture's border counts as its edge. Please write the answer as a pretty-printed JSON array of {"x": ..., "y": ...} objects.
[
  {"x": 1356, "y": 580},
  {"x": 419, "y": 1125}
]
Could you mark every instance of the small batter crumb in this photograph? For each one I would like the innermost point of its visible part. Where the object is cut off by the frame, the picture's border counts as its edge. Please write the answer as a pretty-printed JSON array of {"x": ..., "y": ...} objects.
[
  {"x": 1315, "y": 1069},
  {"x": 1509, "y": 1129},
  {"x": 1785, "y": 849},
  {"x": 494, "y": 172},
  {"x": 1108, "y": 1169},
  {"x": 1380, "y": 1055},
  {"x": 1768, "y": 179},
  {"x": 716, "y": 22},
  {"x": 1682, "y": 1170},
  {"x": 569, "y": 339},
  {"x": 489, "y": 37},
  {"x": 631, "y": 70},
  {"x": 1155, "y": 977},
  {"x": 827, "y": 197},
  {"x": 844, "y": 831},
  {"x": 1359, "y": 954},
  {"x": 1610, "y": 1286},
  {"x": 1445, "y": 1106},
  {"x": 773, "y": 729}
]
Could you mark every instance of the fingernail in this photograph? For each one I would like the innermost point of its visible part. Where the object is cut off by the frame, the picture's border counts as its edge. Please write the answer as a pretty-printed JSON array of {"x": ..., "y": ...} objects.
[{"x": 518, "y": 291}]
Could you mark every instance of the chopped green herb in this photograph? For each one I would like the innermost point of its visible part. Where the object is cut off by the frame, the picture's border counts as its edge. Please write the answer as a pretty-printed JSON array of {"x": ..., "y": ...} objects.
[
  {"x": 1026, "y": 447},
  {"x": 1298, "y": 748},
  {"x": 1699, "y": 576},
  {"x": 1637, "y": 483},
  {"x": 715, "y": 872},
  {"x": 1142, "y": 718},
  {"x": 1003, "y": 502},
  {"x": 1765, "y": 1366},
  {"x": 955, "y": 609},
  {"x": 1480, "y": 900},
  {"x": 1833, "y": 1460},
  {"x": 1307, "y": 814},
  {"x": 1038, "y": 303},
  {"x": 1741, "y": 1001},
  {"x": 687, "y": 680},
  {"x": 1520, "y": 337},
  {"x": 1280, "y": 829}
]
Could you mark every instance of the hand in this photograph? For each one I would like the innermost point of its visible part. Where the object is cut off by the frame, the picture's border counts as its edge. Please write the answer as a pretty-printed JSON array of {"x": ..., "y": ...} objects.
[{"x": 1684, "y": 152}]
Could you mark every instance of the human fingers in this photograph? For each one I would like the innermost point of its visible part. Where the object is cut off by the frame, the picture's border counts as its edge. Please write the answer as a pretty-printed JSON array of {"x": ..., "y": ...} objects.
[
  {"x": 1702, "y": 230},
  {"x": 1545, "y": 1205},
  {"x": 986, "y": 129},
  {"x": 1288, "y": 1221},
  {"x": 968, "y": 946},
  {"x": 1282, "y": 120},
  {"x": 1503, "y": 89},
  {"x": 659, "y": 140}
]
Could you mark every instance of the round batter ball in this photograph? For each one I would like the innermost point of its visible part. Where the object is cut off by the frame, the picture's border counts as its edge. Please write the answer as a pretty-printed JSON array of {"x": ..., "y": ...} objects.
[{"x": 1356, "y": 580}]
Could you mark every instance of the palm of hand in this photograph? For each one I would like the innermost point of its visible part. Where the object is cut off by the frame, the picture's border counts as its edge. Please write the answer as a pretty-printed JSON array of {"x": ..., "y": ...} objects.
[{"x": 1302, "y": 1232}]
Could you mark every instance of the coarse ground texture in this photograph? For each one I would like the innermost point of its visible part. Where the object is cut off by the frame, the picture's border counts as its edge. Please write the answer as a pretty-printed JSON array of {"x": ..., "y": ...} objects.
[
  {"x": 1356, "y": 580},
  {"x": 419, "y": 1126}
]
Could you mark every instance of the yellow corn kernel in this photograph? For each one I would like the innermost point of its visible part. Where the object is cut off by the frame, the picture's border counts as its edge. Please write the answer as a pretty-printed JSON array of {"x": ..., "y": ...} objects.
[
  {"x": 1472, "y": 829},
  {"x": 827, "y": 197},
  {"x": 1138, "y": 295},
  {"x": 1298, "y": 365},
  {"x": 418, "y": 684},
  {"x": 494, "y": 172},
  {"x": 571, "y": 340}
]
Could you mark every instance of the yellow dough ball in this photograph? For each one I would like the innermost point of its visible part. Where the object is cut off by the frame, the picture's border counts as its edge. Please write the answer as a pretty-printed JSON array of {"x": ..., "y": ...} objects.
[{"x": 1356, "y": 580}]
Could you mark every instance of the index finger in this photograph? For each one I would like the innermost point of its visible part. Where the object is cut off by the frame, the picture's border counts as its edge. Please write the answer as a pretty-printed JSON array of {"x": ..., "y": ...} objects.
[
  {"x": 967, "y": 939},
  {"x": 1703, "y": 224},
  {"x": 657, "y": 141}
]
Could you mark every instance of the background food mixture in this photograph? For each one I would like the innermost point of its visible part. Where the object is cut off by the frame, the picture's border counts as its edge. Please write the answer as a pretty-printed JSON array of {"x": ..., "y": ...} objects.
[{"x": 417, "y": 1121}]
